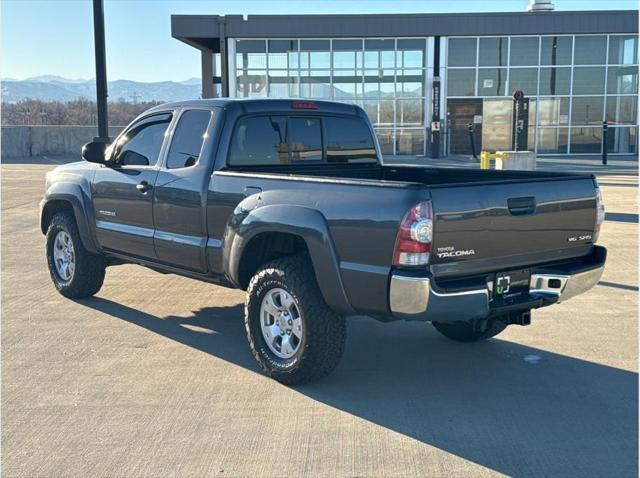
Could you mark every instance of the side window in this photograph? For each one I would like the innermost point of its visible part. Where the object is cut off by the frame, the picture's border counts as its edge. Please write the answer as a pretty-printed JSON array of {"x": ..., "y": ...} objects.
[
  {"x": 188, "y": 139},
  {"x": 305, "y": 137},
  {"x": 141, "y": 144},
  {"x": 260, "y": 140},
  {"x": 349, "y": 141}
]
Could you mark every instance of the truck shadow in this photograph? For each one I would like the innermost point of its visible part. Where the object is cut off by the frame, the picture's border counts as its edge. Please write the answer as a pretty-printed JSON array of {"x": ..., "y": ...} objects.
[{"x": 514, "y": 409}]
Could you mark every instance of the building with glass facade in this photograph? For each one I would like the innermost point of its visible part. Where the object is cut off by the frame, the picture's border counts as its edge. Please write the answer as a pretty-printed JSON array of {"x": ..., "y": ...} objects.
[{"x": 427, "y": 80}]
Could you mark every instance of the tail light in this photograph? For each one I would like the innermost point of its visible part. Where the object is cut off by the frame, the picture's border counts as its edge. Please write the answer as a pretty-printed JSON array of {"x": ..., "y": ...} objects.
[
  {"x": 599, "y": 214},
  {"x": 413, "y": 243}
]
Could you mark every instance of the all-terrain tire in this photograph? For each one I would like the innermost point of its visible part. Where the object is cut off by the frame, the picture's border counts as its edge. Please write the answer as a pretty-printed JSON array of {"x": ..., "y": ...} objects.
[
  {"x": 88, "y": 275},
  {"x": 470, "y": 331},
  {"x": 324, "y": 331}
]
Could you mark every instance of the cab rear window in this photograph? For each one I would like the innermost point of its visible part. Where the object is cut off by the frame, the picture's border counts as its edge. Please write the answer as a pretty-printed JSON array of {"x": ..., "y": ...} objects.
[{"x": 280, "y": 139}]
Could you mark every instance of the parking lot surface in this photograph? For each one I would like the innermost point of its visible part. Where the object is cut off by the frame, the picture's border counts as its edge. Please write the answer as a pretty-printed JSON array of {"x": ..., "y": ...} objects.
[{"x": 153, "y": 377}]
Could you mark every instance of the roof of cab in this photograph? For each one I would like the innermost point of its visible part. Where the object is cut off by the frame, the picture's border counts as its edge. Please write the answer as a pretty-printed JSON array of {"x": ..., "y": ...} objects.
[{"x": 257, "y": 105}]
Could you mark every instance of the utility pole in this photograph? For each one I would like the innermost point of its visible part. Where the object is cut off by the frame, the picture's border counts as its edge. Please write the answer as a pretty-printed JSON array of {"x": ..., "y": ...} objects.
[{"x": 101, "y": 71}]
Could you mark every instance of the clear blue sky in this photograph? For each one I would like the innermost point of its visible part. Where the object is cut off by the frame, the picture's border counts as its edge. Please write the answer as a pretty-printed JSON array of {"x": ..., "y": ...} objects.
[{"x": 55, "y": 37}]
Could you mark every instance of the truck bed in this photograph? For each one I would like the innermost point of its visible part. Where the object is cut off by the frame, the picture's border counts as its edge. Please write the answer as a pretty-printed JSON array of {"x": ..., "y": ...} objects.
[{"x": 485, "y": 220}]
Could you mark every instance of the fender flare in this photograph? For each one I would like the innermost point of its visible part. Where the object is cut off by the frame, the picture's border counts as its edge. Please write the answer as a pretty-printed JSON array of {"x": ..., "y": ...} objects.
[
  {"x": 310, "y": 225},
  {"x": 72, "y": 194}
]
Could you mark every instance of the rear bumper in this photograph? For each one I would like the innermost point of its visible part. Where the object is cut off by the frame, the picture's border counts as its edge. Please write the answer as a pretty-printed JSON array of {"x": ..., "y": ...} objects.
[{"x": 419, "y": 298}]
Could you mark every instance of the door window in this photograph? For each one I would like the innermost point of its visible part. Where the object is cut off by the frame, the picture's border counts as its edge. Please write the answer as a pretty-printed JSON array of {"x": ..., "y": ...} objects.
[
  {"x": 188, "y": 139},
  {"x": 140, "y": 145},
  {"x": 260, "y": 140}
]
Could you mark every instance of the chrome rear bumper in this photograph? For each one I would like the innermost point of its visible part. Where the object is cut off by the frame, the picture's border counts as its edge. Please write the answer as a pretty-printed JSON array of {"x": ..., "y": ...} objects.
[{"x": 417, "y": 298}]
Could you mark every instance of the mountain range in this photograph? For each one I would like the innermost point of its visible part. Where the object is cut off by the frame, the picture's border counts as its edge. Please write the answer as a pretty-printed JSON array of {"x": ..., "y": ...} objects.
[{"x": 56, "y": 88}]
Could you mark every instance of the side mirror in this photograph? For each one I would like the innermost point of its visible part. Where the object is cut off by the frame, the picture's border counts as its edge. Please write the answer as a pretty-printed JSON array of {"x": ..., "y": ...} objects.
[{"x": 94, "y": 152}]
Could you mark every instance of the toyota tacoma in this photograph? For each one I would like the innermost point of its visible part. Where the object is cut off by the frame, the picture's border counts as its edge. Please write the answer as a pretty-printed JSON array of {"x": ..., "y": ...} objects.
[{"x": 291, "y": 201}]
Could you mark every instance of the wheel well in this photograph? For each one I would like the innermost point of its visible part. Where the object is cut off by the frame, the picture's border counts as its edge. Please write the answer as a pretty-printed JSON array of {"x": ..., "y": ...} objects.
[
  {"x": 51, "y": 208},
  {"x": 266, "y": 247}
]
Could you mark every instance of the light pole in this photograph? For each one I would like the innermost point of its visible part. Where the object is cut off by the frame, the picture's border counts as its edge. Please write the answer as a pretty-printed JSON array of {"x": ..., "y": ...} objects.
[{"x": 101, "y": 71}]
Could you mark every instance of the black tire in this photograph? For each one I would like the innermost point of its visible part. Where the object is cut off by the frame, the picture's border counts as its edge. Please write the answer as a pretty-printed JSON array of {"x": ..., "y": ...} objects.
[
  {"x": 89, "y": 271},
  {"x": 473, "y": 331},
  {"x": 324, "y": 331}
]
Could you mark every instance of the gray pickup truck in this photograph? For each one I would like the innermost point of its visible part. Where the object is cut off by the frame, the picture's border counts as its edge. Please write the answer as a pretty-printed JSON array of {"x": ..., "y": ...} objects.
[{"x": 290, "y": 201}]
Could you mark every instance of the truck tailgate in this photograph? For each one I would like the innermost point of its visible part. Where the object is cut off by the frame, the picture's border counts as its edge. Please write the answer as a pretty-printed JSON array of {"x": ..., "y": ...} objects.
[{"x": 496, "y": 226}]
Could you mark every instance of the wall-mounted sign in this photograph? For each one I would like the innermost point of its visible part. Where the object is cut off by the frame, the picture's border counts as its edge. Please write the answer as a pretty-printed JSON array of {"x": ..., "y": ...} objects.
[
  {"x": 487, "y": 83},
  {"x": 477, "y": 119},
  {"x": 435, "y": 126}
]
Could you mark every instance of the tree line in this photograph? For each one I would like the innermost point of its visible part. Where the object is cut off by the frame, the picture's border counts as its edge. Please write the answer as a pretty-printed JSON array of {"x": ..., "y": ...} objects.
[{"x": 82, "y": 112}]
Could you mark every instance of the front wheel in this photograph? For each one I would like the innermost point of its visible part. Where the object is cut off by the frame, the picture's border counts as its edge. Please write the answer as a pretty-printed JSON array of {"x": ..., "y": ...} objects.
[
  {"x": 75, "y": 272},
  {"x": 293, "y": 334},
  {"x": 472, "y": 331}
]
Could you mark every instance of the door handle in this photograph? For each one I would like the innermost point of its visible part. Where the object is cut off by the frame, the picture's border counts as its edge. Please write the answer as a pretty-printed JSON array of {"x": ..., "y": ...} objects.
[
  {"x": 521, "y": 206},
  {"x": 143, "y": 187}
]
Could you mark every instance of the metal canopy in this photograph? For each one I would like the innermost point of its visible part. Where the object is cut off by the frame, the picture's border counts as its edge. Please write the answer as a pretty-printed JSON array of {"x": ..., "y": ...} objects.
[{"x": 203, "y": 31}]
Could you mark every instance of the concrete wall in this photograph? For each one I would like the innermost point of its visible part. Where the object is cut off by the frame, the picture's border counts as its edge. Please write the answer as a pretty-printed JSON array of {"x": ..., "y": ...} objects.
[{"x": 25, "y": 141}]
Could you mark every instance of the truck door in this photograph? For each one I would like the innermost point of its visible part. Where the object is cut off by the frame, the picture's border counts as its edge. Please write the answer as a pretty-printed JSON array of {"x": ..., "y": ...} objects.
[
  {"x": 123, "y": 193},
  {"x": 181, "y": 193}
]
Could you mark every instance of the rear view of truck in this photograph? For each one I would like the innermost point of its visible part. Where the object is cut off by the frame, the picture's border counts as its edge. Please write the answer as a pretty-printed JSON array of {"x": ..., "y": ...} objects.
[{"x": 480, "y": 255}]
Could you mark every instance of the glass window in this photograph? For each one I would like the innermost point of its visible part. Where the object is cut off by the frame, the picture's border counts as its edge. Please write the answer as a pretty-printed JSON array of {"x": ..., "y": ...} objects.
[
  {"x": 282, "y": 86},
  {"x": 410, "y": 141},
  {"x": 623, "y": 50},
  {"x": 461, "y": 52},
  {"x": 553, "y": 111},
  {"x": 622, "y": 79},
  {"x": 586, "y": 140},
  {"x": 556, "y": 50},
  {"x": 380, "y": 53},
  {"x": 524, "y": 51},
  {"x": 379, "y": 83},
  {"x": 410, "y": 83},
  {"x": 622, "y": 109},
  {"x": 315, "y": 54},
  {"x": 385, "y": 140},
  {"x": 347, "y": 54},
  {"x": 251, "y": 83},
  {"x": 525, "y": 79},
  {"x": 260, "y": 140},
  {"x": 387, "y": 112},
  {"x": 491, "y": 81},
  {"x": 316, "y": 85},
  {"x": 461, "y": 82},
  {"x": 493, "y": 52},
  {"x": 188, "y": 139},
  {"x": 410, "y": 112},
  {"x": 590, "y": 50},
  {"x": 251, "y": 54},
  {"x": 622, "y": 140},
  {"x": 587, "y": 110},
  {"x": 588, "y": 81},
  {"x": 283, "y": 54},
  {"x": 141, "y": 143},
  {"x": 411, "y": 53},
  {"x": 555, "y": 81},
  {"x": 305, "y": 138},
  {"x": 552, "y": 140},
  {"x": 349, "y": 140},
  {"x": 347, "y": 87}
]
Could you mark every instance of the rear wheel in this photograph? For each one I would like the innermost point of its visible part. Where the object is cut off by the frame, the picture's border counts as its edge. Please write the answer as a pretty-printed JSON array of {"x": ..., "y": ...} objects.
[
  {"x": 293, "y": 334},
  {"x": 75, "y": 272},
  {"x": 472, "y": 331}
]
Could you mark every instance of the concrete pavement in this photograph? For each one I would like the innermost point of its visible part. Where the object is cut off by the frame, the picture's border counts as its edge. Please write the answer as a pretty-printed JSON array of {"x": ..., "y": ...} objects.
[{"x": 153, "y": 377}]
